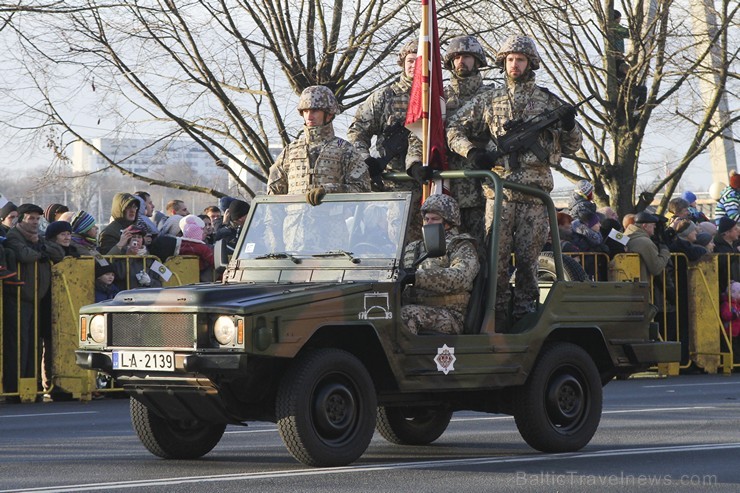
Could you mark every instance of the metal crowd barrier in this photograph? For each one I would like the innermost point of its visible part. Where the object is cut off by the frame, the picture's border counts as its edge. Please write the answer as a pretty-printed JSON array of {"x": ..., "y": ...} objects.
[{"x": 73, "y": 286}]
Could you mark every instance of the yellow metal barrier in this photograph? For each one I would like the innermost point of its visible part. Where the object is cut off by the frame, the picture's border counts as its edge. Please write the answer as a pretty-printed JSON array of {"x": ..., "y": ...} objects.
[{"x": 595, "y": 264}]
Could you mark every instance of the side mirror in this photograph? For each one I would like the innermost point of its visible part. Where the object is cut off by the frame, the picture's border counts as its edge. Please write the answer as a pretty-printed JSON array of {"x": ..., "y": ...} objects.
[
  {"x": 221, "y": 253},
  {"x": 434, "y": 242}
]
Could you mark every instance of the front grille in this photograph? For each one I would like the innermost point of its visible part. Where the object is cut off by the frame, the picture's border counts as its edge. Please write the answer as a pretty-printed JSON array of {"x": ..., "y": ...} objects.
[{"x": 153, "y": 330}]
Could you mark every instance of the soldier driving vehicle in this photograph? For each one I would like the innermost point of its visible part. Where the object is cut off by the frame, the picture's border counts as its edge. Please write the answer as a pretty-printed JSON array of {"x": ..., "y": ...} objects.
[{"x": 312, "y": 338}]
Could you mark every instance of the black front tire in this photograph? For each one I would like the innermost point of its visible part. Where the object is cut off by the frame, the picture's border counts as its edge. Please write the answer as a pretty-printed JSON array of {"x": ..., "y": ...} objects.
[
  {"x": 326, "y": 407},
  {"x": 559, "y": 407},
  {"x": 171, "y": 439},
  {"x": 412, "y": 425}
]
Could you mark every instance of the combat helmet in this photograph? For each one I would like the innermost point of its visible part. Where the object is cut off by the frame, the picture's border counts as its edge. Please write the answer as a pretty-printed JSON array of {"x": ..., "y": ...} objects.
[
  {"x": 410, "y": 47},
  {"x": 464, "y": 44},
  {"x": 519, "y": 44},
  {"x": 445, "y": 206},
  {"x": 318, "y": 98}
]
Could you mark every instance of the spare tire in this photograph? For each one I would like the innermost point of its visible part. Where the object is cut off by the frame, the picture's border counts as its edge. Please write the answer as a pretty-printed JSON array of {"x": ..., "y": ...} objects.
[{"x": 572, "y": 270}]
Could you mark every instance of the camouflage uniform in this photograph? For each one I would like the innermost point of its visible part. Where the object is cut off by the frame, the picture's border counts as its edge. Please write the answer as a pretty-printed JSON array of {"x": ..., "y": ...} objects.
[
  {"x": 381, "y": 110},
  {"x": 462, "y": 89},
  {"x": 317, "y": 159},
  {"x": 524, "y": 225},
  {"x": 439, "y": 297}
]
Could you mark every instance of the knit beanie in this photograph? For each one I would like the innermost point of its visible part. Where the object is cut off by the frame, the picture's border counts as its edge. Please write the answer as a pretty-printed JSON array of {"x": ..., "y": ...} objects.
[
  {"x": 725, "y": 224},
  {"x": 53, "y": 229},
  {"x": 82, "y": 222},
  {"x": 51, "y": 212},
  {"x": 7, "y": 209},
  {"x": 101, "y": 269},
  {"x": 689, "y": 196},
  {"x": 687, "y": 230},
  {"x": 589, "y": 219},
  {"x": 703, "y": 239},
  {"x": 584, "y": 188},
  {"x": 192, "y": 227},
  {"x": 224, "y": 202}
]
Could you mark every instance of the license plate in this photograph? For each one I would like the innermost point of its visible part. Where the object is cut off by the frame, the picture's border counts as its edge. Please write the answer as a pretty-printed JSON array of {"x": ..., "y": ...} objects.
[{"x": 144, "y": 360}]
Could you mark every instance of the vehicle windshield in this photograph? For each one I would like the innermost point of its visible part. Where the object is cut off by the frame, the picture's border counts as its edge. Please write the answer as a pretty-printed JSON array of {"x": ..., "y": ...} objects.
[{"x": 337, "y": 228}]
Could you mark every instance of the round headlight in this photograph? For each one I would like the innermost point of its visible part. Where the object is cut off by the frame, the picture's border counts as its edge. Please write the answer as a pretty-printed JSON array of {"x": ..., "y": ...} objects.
[
  {"x": 224, "y": 330},
  {"x": 97, "y": 329}
]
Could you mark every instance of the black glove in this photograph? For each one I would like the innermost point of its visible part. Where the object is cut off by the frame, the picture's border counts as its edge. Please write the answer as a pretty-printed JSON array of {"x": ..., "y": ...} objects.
[
  {"x": 421, "y": 174},
  {"x": 407, "y": 276},
  {"x": 314, "y": 195},
  {"x": 374, "y": 167},
  {"x": 669, "y": 234},
  {"x": 568, "y": 120},
  {"x": 481, "y": 158}
]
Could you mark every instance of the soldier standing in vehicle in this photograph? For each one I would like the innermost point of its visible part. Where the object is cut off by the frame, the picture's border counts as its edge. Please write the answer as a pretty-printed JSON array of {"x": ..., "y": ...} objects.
[
  {"x": 524, "y": 225},
  {"x": 318, "y": 162},
  {"x": 438, "y": 298},
  {"x": 465, "y": 58},
  {"x": 383, "y": 115}
]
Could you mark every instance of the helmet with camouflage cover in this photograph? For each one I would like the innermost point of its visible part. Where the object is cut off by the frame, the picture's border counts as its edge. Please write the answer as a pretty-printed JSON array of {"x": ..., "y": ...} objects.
[
  {"x": 464, "y": 45},
  {"x": 318, "y": 98},
  {"x": 445, "y": 206},
  {"x": 407, "y": 49},
  {"x": 519, "y": 44}
]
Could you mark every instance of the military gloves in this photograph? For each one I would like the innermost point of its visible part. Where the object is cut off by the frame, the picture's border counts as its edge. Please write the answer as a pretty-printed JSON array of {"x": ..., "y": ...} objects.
[
  {"x": 420, "y": 173},
  {"x": 374, "y": 167},
  {"x": 568, "y": 120},
  {"x": 482, "y": 159},
  {"x": 407, "y": 276},
  {"x": 314, "y": 195}
]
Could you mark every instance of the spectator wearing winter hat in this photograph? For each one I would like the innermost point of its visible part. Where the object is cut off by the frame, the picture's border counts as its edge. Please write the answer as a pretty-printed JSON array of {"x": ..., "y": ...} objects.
[
  {"x": 728, "y": 204},
  {"x": 193, "y": 244},
  {"x": 59, "y": 235},
  {"x": 53, "y": 211},
  {"x": 694, "y": 214},
  {"x": 237, "y": 214},
  {"x": 725, "y": 242},
  {"x": 685, "y": 238},
  {"x": 678, "y": 208},
  {"x": 8, "y": 217},
  {"x": 124, "y": 211},
  {"x": 105, "y": 288},
  {"x": 705, "y": 240},
  {"x": 581, "y": 199},
  {"x": 653, "y": 258},
  {"x": 587, "y": 237},
  {"x": 33, "y": 253},
  {"x": 84, "y": 234}
]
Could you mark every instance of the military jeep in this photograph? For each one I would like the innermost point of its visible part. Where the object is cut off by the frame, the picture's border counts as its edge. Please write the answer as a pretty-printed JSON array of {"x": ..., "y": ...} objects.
[{"x": 305, "y": 331}]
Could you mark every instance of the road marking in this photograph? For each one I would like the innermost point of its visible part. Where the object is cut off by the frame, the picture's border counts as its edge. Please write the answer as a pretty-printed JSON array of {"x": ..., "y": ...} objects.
[
  {"x": 376, "y": 468},
  {"x": 44, "y": 415},
  {"x": 688, "y": 385},
  {"x": 616, "y": 411}
]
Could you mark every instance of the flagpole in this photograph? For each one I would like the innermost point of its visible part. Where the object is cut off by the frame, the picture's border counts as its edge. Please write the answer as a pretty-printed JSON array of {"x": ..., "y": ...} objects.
[{"x": 425, "y": 127}]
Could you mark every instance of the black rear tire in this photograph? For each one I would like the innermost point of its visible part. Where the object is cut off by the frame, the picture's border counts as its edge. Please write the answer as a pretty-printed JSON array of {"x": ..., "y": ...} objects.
[
  {"x": 326, "y": 407},
  {"x": 412, "y": 425},
  {"x": 171, "y": 439},
  {"x": 572, "y": 270},
  {"x": 559, "y": 407}
]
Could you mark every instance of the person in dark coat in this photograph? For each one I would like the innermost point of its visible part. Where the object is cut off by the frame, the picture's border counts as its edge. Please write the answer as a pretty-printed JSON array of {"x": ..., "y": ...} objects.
[{"x": 124, "y": 210}]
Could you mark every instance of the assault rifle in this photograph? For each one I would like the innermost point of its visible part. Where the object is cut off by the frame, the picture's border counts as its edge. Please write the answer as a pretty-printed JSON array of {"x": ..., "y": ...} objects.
[
  {"x": 395, "y": 143},
  {"x": 522, "y": 135}
]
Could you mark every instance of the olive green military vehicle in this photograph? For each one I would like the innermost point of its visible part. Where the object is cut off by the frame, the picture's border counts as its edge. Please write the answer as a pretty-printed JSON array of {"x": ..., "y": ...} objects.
[{"x": 305, "y": 332}]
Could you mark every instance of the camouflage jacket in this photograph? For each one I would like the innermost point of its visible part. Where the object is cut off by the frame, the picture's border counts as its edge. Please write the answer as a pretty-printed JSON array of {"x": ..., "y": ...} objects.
[
  {"x": 379, "y": 111},
  {"x": 318, "y": 158},
  {"x": 447, "y": 280},
  {"x": 490, "y": 110}
]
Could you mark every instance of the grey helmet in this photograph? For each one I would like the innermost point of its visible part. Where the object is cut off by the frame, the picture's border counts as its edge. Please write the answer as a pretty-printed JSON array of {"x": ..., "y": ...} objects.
[
  {"x": 445, "y": 206},
  {"x": 519, "y": 44},
  {"x": 318, "y": 98},
  {"x": 410, "y": 47},
  {"x": 464, "y": 45}
]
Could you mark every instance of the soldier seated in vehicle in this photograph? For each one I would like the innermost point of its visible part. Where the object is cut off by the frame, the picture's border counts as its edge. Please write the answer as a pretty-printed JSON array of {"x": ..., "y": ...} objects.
[{"x": 437, "y": 300}]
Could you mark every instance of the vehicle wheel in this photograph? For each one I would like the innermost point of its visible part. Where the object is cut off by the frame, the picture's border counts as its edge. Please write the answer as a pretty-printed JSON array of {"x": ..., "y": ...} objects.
[
  {"x": 412, "y": 425},
  {"x": 572, "y": 270},
  {"x": 559, "y": 407},
  {"x": 174, "y": 439},
  {"x": 326, "y": 407}
]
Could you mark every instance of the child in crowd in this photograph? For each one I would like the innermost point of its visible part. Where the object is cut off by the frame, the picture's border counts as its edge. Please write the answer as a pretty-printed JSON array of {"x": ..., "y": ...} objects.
[
  {"x": 729, "y": 311},
  {"x": 105, "y": 289}
]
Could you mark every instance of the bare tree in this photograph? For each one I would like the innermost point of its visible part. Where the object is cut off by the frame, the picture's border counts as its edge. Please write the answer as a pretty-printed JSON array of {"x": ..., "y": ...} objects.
[{"x": 664, "y": 62}]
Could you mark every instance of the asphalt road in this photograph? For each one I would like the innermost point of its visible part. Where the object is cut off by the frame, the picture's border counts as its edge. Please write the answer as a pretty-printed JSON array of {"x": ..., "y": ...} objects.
[{"x": 676, "y": 434}]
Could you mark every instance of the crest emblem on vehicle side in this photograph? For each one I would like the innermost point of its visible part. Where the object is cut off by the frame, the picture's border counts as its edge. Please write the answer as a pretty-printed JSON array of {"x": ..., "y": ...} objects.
[{"x": 445, "y": 359}]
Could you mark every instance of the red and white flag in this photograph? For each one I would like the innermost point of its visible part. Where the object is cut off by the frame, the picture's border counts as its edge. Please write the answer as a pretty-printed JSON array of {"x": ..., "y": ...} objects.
[{"x": 426, "y": 111}]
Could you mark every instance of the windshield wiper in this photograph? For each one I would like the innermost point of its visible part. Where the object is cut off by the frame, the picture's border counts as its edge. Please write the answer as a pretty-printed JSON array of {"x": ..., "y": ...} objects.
[
  {"x": 278, "y": 255},
  {"x": 338, "y": 253}
]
